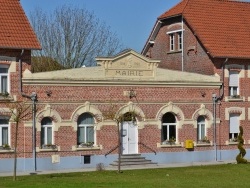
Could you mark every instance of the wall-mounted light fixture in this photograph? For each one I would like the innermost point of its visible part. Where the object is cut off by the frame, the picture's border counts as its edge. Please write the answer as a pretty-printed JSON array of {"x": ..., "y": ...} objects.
[
  {"x": 132, "y": 93},
  {"x": 48, "y": 93}
]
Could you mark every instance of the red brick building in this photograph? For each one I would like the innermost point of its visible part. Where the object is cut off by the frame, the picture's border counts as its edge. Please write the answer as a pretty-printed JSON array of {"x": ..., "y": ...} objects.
[
  {"x": 162, "y": 97},
  {"x": 210, "y": 37}
]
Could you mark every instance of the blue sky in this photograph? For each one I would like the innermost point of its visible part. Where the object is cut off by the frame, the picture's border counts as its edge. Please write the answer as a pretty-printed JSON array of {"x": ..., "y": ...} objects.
[{"x": 131, "y": 20}]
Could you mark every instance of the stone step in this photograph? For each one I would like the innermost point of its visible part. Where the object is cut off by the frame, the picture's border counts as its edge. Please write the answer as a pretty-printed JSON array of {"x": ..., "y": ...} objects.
[
  {"x": 133, "y": 163},
  {"x": 132, "y": 159}
]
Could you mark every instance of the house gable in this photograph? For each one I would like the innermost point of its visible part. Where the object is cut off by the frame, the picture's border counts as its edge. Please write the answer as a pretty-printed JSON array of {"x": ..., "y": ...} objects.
[{"x": 222, "y": 26}]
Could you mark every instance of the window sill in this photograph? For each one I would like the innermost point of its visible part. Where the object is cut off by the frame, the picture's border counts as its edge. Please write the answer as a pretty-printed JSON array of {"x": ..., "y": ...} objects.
[
  {"x": 234, "y": 99},
  {"x": 160, "y": 145},
  {"x": 203, "y": 144},
  {"x": 38, "y": 149},
  {"x": 174, "y": 52},
  {"x": 7, "y": 98},
  {"x": 231, "y": 143},
  {"x": 6, "y": 150},
  {"x": 94, "y": 147}
]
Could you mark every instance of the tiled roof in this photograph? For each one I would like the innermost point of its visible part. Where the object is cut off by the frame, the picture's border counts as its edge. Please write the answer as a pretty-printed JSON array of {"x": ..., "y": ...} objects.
[
  {"x": 221, "y": 25},
  {"x": 16, "y": 32},
  {"x": 176, "y": 10}
]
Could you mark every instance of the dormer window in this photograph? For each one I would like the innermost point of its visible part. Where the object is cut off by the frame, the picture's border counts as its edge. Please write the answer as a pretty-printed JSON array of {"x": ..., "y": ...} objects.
[
  {"x": 175, "y": 40},
  {"x": 171, "y": 39},
  {"x": 179, "y": 40}
]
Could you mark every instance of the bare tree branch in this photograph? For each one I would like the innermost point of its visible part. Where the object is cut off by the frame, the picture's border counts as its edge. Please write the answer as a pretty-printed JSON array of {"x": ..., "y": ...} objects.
[{"x": 73, "y": 37}]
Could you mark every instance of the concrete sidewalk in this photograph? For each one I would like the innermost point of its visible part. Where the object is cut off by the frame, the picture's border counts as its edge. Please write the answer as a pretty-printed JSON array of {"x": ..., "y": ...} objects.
[{"x": 131, "y": 167}]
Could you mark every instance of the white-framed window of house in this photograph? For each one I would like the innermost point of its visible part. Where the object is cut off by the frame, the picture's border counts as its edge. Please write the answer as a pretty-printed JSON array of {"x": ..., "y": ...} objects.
[
  {"x": 4, "y": 79},
  {"x": 46, "y": 132},
  {"x": 168, "y": 127},
  {"x": 234, "y": 124},
  {"x": 85, "y": 129},
  {"x": 179, "y": 40},
  {"x": 171, "y": 42},
  {"x": 233, "y": 83},
  {"x": 4, "y": 131},
  {"x": 201, "y": 128}
]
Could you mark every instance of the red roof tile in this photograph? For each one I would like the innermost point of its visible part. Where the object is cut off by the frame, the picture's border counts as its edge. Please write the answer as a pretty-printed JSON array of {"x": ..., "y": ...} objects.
[
  {"x": 176, "y": 10},
  {"x": 16, "y": 32},
  {"x": 221, "y": 25}
]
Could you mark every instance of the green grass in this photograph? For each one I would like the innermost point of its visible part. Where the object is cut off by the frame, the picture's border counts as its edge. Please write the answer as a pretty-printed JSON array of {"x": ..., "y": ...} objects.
[{"x": 215, "y": 176}]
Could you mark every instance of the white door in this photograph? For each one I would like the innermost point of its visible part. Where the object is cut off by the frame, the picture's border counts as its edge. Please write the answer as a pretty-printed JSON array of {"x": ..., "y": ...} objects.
[{"x": 129, "y": 138}]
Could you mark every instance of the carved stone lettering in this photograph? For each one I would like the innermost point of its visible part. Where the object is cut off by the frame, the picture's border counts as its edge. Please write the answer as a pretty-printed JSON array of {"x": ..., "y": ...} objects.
[{"x": 128, "y": 73}]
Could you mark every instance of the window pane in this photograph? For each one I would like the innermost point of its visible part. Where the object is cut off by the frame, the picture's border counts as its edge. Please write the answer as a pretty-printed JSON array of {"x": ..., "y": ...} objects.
[
  {"x": 180, "y": 40},
  {"x": 5, "y": 135},
  {"x": 4, "y": 85},
  {"x": 4, "y": 121},
  {"x": 42, "y": 136},
  {"x": 85, "y": 119},
  {"x": 171, "y": 38},
  {"x": 235, "y": 92},
  {"x": 90, "y": 134},
  {"x": 168, "y": 118},
  {"x": 164, "y": 133},
  {"x": 81, "y": 135},
  {"x": 46, "y": 121},
  {"x": 3, "y": 70},
  {"x": 49, "y": 135},
  {"x": 202, "y": 131},
  {"x": 234, "y": 123},
  {"x": 172, "y": 131},
  {"x": 233, "y": 78},
  {"x": 201, "y": 127}
]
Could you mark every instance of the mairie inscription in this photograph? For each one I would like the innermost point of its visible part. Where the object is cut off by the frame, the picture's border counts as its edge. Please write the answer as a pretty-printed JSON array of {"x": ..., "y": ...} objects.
[{"x": 128, "y": 73}]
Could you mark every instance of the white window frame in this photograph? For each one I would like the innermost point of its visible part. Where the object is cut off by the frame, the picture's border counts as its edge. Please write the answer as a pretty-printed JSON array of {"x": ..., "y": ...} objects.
[
  {"x": 85, "y": 126},
  {"x": 7, "y": 75},
  {"x": 172, "y": 39},
  {"x": 234, "y": 124},
  {"x": 168, "y": 125},
  {"x": 180, "y": 43},
  {"x": 85, "y": 131},
  {"x": 1, "y": 133},
  {"x": 171, "y": 42},
  {"x": 233, "y": 83},
  {"x": 46, "y": 127},
  {"x": 200, "y": 125}
]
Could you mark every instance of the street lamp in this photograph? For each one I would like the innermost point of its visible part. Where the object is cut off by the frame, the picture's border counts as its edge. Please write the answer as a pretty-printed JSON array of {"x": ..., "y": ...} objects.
[{"x": 33, "y": 97}]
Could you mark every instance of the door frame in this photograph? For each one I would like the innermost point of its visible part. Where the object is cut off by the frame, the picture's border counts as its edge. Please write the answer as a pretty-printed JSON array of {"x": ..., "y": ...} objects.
[{"x": 129, "y": 138}]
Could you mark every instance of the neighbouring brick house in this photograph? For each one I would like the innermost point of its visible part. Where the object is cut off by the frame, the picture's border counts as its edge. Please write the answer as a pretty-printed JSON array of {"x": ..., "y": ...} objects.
[
  {"x": 164, "y": 111},
  {"x": 210, "y": 37}
]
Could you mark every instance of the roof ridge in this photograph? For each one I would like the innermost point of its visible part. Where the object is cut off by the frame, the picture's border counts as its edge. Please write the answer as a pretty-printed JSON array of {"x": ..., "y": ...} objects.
[
  {"x": 232, "y": 1},
  {"x": 174, "y": 7}
]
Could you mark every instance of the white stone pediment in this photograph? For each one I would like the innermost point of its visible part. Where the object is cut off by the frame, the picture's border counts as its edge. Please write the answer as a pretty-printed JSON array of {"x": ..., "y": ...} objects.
[{"x": 128, "y": 64}]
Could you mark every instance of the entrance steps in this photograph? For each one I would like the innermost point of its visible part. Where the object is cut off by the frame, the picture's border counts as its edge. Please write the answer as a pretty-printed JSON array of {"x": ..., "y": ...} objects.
[{"x": 133, "y": 159}]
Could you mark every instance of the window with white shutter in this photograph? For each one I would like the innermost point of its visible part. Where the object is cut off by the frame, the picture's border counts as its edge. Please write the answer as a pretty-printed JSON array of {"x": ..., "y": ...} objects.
[
  {"x": 233, "y": 83},
  {"x": 234, "y": 126}
]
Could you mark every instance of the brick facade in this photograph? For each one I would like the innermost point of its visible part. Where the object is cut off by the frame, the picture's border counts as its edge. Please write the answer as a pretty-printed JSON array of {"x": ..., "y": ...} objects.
[{"x": 160, "y": 83}]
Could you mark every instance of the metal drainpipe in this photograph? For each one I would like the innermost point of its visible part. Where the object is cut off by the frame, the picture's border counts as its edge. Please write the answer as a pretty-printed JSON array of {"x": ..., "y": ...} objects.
[
  {"x": 33, "y": 98},
  {"x": 214, "y": 97},
  {"x": 221, "y": 95},
  {"x": 223, "y": 76},
  {"x": 182, "y": 53}
]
